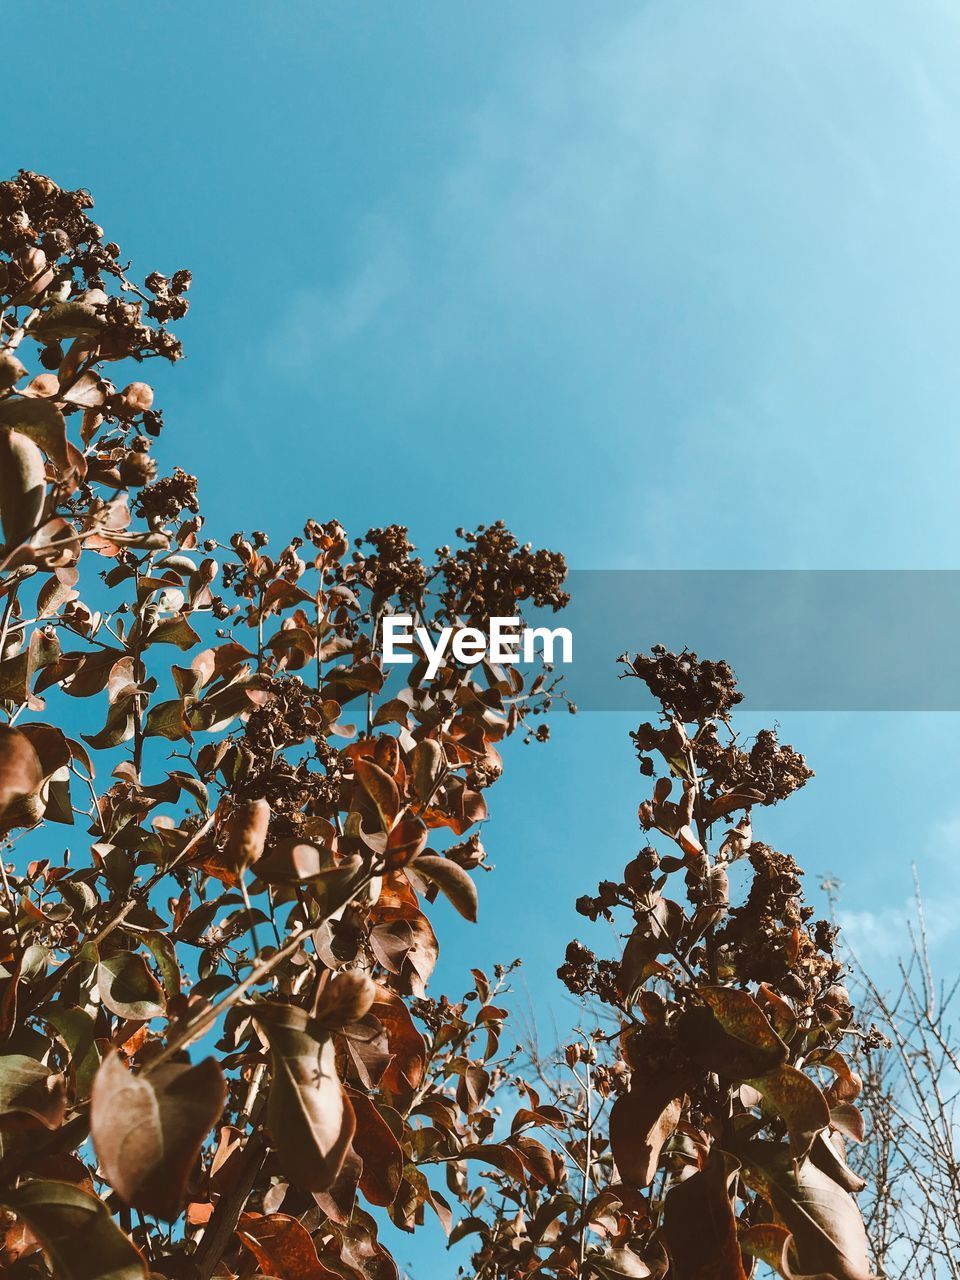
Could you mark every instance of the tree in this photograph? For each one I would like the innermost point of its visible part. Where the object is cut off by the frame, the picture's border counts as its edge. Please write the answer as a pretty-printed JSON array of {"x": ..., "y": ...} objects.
[
  {"x": 217, "y": 1054},
  {"x": 699, "y": 1130},
  {"x": 909, "y": 1059}
]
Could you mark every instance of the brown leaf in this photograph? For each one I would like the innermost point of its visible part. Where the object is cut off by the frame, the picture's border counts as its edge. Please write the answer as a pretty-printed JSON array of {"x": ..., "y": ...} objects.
[
  {"x": 148, "y": 1129},
  {"x": 731, "y": 1035},
  {"x": 20, "y": 771},
  {"x": 699, "y": 1226},
  {"x": 773, "y": 1245},
  {"x": 407, "y": 1047},
  {"x": 828, "y": 1232},
  {"x": 282, "y": 1247},
  {"x": 346, "y": 998},
  {"x": 456, "y": 884},
  {"x": 375, "y": 1144},
  {"x": 381, "y": 789},
  {"x": 404, "y": 842},
  {"x": 798, "y": 1102},
  {"x": 309, "y": 1116},
  {"x": 641, "y": 1121},
  {"x": 429, "y": 763},
  {"x": 499, "y": 1156},
  {"x": 247, "y": 832}
]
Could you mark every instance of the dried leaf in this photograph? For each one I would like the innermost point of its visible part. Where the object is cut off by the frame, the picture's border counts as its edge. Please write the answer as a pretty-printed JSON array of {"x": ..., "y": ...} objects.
[
  {"x": 247, "y": 832},
  {"x": 381, "y": 789},
  {"x": 641, "y": 1121},
  {"x": 21, "y": 773},
  {"x": 282, "y": 1247},
  {"x": 148, "y": 1129},
  {"x": 699, "y": 1226},
  {"x": 828, "y": 1231},
  {"x": 452, "y": 880},
  {"x": 798, "y": 1102}
]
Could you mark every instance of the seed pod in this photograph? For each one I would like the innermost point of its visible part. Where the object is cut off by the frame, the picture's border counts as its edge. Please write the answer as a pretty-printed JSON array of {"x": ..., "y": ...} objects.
[{"x": 137, "y": 397}]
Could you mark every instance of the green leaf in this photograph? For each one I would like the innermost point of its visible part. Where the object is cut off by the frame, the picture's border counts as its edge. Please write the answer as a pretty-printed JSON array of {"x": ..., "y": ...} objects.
[
  {"x": 40, "y": 421},
  {"x": 174, "y": 630},
  {"x": 165, "y": 720},
  {"x": 128, "y": 988},
  {"x": 164, "y": 953},
  {"x": 23, "y": 486},
  {"x": 28, "y": 1087},
  {"x": 77, "y": 1232},
  {"x": 452, "y": 880},
  {"x": 147, "y": 1130},
  {"x": 77, "y": 1030},
  {"x": 309, "y": 1116},
  {"x": 67, "y": 320}
]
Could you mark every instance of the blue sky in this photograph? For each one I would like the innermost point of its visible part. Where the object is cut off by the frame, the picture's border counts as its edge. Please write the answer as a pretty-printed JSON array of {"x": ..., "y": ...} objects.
[{"x": 663, "y": 285}]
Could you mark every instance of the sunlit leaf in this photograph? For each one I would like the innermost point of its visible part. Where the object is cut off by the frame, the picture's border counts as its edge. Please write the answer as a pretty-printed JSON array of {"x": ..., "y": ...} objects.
[
  {"x": 148, "y": 1129},
  {"x": 128, "y": 988}
]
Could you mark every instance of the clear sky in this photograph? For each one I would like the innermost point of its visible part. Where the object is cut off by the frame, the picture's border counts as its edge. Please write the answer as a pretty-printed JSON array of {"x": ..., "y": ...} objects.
[{"x": 663, "y": 285}]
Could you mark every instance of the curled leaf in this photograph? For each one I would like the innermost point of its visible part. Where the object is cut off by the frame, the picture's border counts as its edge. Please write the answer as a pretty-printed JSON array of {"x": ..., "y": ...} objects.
[
  {"x": 452, "y": 880},
  {"x": 247, "y": 832},
  {"x": 345, "y": 999},
  {"x": 128, "y": 988}
]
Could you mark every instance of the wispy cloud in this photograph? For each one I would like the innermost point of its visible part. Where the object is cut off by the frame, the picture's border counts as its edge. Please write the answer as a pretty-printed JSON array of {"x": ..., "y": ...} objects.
[
  {"x": 325, "y": 314},
  {"x": 884, "y": 934}
]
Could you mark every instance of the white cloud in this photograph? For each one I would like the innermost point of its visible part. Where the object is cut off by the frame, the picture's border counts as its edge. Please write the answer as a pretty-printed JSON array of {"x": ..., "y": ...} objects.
[{"x": 885, "y": 934}]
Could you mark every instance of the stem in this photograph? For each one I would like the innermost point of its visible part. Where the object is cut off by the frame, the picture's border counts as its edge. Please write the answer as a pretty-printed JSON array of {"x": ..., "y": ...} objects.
[
  {"x": 196, "y": 1026},
  {"x": 588, "y": 1164},
  {"x": 249, "y": 908},
  {"x": 47, "y": 988}
]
